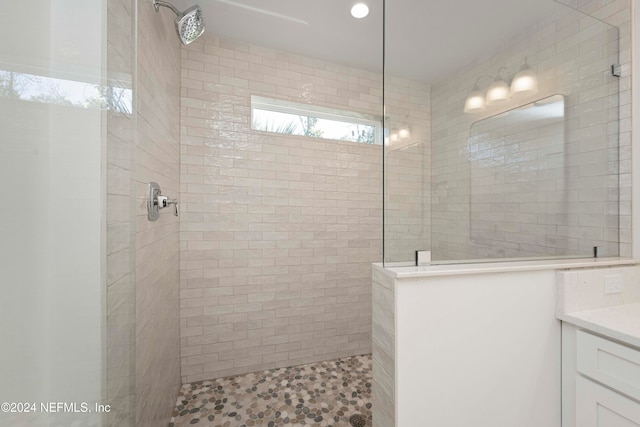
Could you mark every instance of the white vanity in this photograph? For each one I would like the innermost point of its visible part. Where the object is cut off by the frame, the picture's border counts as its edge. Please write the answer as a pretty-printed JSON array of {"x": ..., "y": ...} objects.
[
  {"x": 480, "y": 345},
  {"x": 600, "y": 348}
]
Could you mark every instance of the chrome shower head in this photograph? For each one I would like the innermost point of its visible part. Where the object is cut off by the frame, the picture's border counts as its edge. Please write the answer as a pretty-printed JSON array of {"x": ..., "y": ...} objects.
[{"x": 189, "y": 24}]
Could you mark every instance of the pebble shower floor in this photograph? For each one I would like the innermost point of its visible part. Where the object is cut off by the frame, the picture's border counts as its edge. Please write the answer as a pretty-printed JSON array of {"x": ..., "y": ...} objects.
[{"x": 318, "y": 394}]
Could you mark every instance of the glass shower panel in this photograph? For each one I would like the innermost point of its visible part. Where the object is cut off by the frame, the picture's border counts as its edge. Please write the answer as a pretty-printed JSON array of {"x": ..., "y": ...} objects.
[
  {"x": 66, "y": 319},
  {"x": 407, "y": 178},
  {"x": 482, "y": 182},
  {"x": 52, "y": 301}
]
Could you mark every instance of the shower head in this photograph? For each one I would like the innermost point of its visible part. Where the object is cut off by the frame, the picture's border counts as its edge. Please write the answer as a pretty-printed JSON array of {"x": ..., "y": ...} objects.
[{"x": 189, "y": 24}]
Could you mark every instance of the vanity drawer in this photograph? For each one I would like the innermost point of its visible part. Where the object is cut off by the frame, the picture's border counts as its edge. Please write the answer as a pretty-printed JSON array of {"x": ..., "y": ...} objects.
[
  {"x": 614, "y": 365},
  {"x": 597, "y": 406}
]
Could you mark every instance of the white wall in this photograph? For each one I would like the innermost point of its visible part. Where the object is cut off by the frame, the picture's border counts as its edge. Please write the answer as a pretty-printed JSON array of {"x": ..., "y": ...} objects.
[
  {"x": 489, "y": 343},
  {"x": 470, "y": 350}
]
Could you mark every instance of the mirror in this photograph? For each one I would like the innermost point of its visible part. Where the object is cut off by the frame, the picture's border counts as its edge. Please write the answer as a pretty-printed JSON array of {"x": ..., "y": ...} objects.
[{"x": 519, "y": 200}]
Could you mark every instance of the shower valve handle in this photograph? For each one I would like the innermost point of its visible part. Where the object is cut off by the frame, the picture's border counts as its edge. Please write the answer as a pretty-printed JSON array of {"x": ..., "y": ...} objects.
[
  {"x": 156, "y": 201},
  {"x": 164, "y": 201}
]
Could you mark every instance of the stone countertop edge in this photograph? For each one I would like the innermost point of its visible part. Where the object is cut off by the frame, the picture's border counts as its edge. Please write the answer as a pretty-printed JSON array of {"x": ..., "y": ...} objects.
[
  {"x": 401, "y": 272},
  {"x": 619, "y": 322}
]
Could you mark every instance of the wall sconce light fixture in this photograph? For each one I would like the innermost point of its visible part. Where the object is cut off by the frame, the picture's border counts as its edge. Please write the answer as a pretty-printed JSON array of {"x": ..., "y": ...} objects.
[
  {"x": 475, "y": 102},
  {"x": 498, "y": 91},
  {"x": 525, "y": 82}
]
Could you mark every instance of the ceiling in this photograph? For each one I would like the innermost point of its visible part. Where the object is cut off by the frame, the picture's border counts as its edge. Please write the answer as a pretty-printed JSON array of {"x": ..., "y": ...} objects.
[{"x": 425, "y": 39}]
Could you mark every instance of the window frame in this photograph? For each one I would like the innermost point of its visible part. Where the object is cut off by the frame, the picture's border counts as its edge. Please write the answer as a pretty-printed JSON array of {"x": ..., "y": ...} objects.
[{"x": 319, "y": 112}]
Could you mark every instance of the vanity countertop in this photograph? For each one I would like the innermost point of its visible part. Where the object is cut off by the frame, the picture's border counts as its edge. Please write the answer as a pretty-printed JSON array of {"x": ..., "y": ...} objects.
[
  {"x": 441, "y": 268},
  {"x": 619, "y": 322}
]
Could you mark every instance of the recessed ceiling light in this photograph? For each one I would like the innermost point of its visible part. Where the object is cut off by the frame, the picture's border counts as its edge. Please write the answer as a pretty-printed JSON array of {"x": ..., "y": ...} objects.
[{"x": 359, "y": 10}]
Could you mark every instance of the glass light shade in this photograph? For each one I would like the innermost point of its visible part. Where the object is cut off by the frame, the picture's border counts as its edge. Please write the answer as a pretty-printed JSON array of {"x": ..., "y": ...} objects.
[
  {"x": 475, "y": 102},
  {"x": 498, "y": 93},
  {"x": 393, "y": 137},
  {"x": 404, "y": 133},
  {"x": 525, "y": 83}
]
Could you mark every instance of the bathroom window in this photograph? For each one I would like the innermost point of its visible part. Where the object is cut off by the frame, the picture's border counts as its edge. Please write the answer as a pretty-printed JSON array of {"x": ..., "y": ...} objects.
[{"x": 273, "y": 115}]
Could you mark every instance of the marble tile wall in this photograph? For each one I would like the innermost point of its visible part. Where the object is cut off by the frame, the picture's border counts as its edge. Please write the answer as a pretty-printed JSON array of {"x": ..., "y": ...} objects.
[
  {"x": 278, "y": 232},
  {"x": 157, "y": 243},
  {"x": 572, "y": 54}
]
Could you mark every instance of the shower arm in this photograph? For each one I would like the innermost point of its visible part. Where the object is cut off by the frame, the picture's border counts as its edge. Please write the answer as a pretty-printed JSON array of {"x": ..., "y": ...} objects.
[{"x": 158, "y": 3}]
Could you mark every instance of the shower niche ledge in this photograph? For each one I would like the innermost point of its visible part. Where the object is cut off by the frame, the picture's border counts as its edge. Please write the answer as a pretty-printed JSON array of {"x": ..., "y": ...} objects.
[{"x": 483, "y": 337}]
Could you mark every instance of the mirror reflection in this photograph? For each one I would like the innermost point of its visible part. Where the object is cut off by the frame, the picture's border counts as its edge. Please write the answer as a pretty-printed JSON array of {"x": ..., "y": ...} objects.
[{"x": 519, "y": 198}]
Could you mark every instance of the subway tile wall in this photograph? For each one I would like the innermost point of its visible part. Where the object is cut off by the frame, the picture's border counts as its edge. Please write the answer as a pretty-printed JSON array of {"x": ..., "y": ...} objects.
[
  {"x": 572, "y": 54},
  {"x": 384, "y": 351},
  {"x": 278, "y": 232},
  {"x": 157, "y": 243},
  {"x": 272, "y": 254},
  {"x": 120, "y": 217}
]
